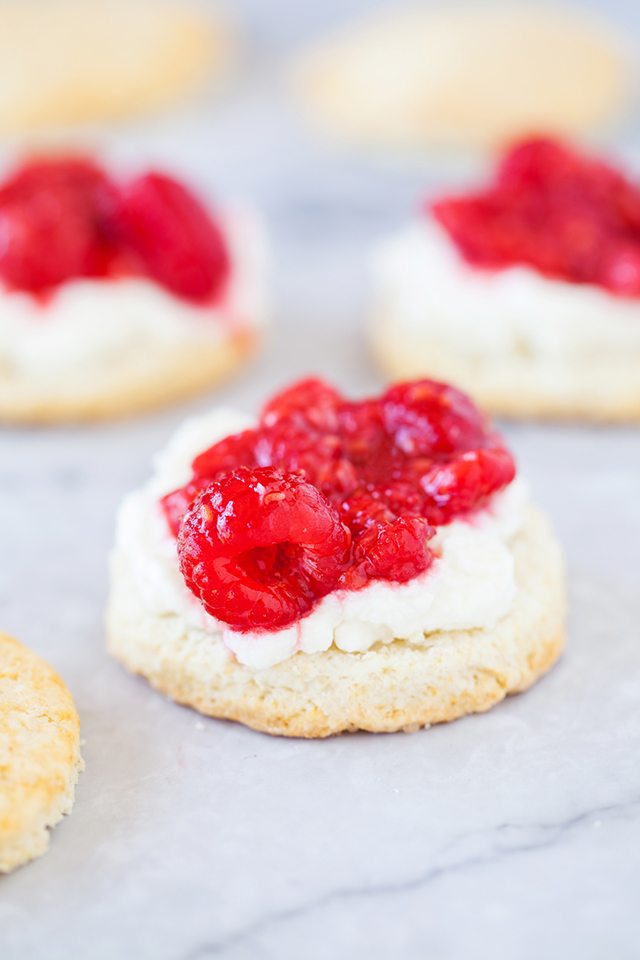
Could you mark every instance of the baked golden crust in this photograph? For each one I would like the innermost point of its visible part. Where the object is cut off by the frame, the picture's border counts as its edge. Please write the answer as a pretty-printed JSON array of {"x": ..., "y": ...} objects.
[
  {"x": 507, "y": 385},
  {"x": 398, "y": 686},
  {"x": 464, "y": 75},
  {"x": 147, "y": 380},
  {"x": 57, "y": 65},
  {"x": 39, "y": 753}
]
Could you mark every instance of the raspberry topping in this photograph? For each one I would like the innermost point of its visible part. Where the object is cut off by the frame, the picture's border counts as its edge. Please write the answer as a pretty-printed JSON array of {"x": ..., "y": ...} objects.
[
  {"x": 568, "y": 216},
  {"x": 260, "y": 548},
  {"x": 176, "y": 503},
  {"x": 174, "y": 236},
  {"x": 55, "y": 220},
  {"x": 326, "y": 493},
  {"x": 426, "y": 418},
  {"x": 395, "y": 550},
  {"x": 64, "y": 218}
]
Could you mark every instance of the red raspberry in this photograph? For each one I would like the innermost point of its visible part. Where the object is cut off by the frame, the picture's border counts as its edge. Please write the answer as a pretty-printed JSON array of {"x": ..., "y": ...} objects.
[
  {"x": 426, "y": 418},
  {"x": 363, "y": 432},
  {"x": 363, "y": 509},
  {"x": 79, "y": 178},
  {"x": 176, "y": 503},
  {"x": 262, "y": 545},
  {"x": 235, "y": 451},
  {"x": 174, "y": 237},
  {"x": 259, "y": 548},
  {"x": 536, "y": 164},
  {"x": 620, "y": 270},
  {"x": 62, "y": 218},
  {"x": 402, "y": 495},
  {"x": 310, "y": 402},
  {"x": 461, "y": 485},
  {"x": 395, "y": 551},
  {"x": 568, "y": 216},
  {"x": 317, "y": 457},
  {"x": 57, "y": 220}
]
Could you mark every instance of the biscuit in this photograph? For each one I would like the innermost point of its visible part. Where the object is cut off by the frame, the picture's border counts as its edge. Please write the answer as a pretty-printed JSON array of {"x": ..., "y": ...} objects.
[
  {"x": 517, "y": 384},
  {"x": 398, "y": 686},
  {"x": 66, "y": 61},
  {"x": 147, "y": 379},
  {"x": 471, "y": 75},
  {"x": 39, "y": 753}
]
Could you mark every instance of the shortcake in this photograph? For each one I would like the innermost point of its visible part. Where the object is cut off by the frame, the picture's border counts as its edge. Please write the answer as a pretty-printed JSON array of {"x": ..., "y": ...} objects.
[
  {"x": 335, "y": 565},
  {"x": 525, "y": 292},
  {"x": 117, "y": 293},
  {"x": 464, "y": 75},
  {"x": 66, "y": 62},
  {"x": 39, "y": 753}
]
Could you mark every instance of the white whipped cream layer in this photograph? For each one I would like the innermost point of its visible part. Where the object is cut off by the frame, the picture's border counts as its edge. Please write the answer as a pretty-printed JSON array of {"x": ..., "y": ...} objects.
[
  {"x": 424, "y": 286},
  {"x": 469, "y": 585},
  {"x": 89, "y": 324}
]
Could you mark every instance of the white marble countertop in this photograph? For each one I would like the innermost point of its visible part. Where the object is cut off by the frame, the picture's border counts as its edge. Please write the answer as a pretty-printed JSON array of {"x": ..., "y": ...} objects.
[{"x": 513, "y": 834}]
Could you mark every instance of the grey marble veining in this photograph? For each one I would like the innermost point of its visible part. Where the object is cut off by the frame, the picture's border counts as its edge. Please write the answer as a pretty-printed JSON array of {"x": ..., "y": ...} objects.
[{"x": 513, "y": 834}]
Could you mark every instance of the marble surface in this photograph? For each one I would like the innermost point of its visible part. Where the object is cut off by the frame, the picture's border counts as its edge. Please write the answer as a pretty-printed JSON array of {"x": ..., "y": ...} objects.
[{"x": 513, "y": 834}]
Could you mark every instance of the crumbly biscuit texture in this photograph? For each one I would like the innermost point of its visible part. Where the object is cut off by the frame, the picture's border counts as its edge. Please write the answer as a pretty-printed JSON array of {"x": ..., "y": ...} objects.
[
  {"x": 465, "y": 75},
  {"x": 68, "y": 61},
  {"x": 399, "y": 686},
  {"x": 517, "y": 383},
  {"x": 152, "y": 377},
  {"x": 39, "y": 753}
]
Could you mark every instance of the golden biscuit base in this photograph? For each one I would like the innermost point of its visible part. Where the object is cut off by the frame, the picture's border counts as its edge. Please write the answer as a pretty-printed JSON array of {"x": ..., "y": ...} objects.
[
  {"x": 398, "y": 686},
  {"x": 58, "y": 67},
  {"x": 39, "y": 753},
  {"x": 594, "y": 390},
  {"x": 144, "y": 380},
  {"x": 464, "y": 75}
]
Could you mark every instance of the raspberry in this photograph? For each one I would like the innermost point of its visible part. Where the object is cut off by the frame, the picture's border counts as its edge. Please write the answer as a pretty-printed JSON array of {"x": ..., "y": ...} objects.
[
  {"x": 538, "y": 163},
  {"x": 318, "y": 457},
  {"x": 63, "y": 218},
  {"x": 429, "y": 418},
  {"x": 56, "y": 221},
  {"x": 390, "y": 551},
  {"x": 620, "y": 270},
  {"x": 78, "y": 179},
  {"x": 235, "y": 451},
  {"x": 401, "y": 495},
  {"x": 363, "y": 509},
  {"x": 174, "y": 237},
  {"x": 326, "y": 492},
  {"x": 259, "y": 548},
  {"x": 363, "y": 432},
  {"x": 455, "y": 488},
  {"x": 308, "y": 403},
  {"x": 223, "y": 457},
  {"x": 568, "y": 216},
  {"x": 176, "y": 503}
]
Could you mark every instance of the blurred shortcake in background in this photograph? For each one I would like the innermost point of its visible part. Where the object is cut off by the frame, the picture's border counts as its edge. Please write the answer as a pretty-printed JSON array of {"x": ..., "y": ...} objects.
[
  {"x": 64, "y": 62},
  {"x": 119, "y": 292},
  {"x": 464, "y": 75},
  {"x": 524, "y": 291}
]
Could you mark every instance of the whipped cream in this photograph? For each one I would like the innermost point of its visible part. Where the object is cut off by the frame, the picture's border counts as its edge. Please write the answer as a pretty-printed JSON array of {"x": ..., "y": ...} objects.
[
  {"x": 426, "y": 286},
  {"x": 469, "y": 585},
  {"x": 90, "y": 324}
]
